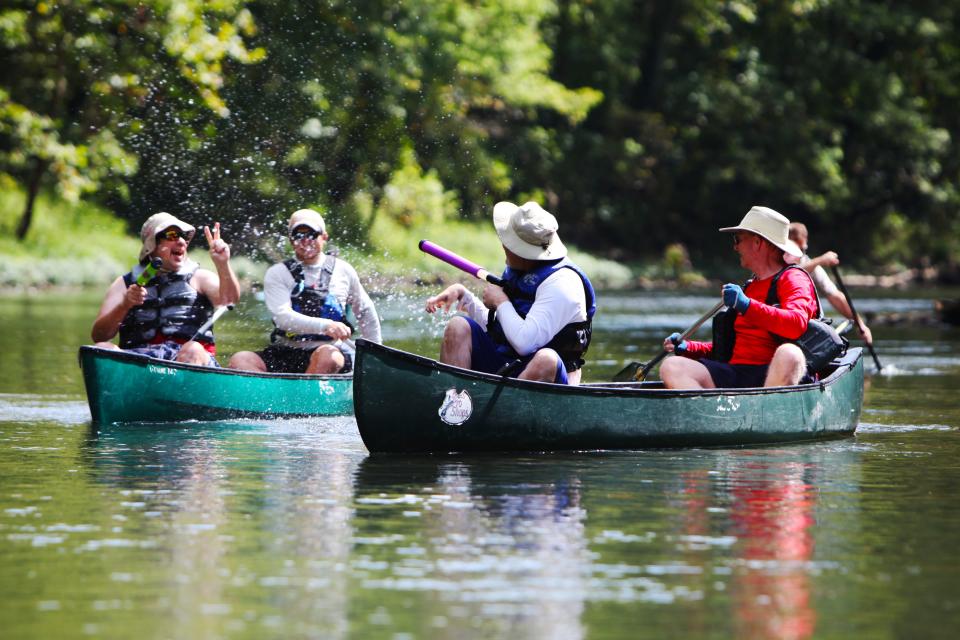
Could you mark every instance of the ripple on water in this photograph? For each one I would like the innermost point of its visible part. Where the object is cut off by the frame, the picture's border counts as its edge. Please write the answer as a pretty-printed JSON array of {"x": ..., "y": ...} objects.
[
  {"x": 16, "y": 407},
  {"x": 869, "y": 427}
]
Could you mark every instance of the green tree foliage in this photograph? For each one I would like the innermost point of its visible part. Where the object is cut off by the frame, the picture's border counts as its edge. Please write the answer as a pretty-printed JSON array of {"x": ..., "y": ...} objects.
[
  {"x": 75, "y": 74},
  {"x": 347, "y": 92},
  {"x": 640, "y": 123},
  {"x": 832, "y": 112}
]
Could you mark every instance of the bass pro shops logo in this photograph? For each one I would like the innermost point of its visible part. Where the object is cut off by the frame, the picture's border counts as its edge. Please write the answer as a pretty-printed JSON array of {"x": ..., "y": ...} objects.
[{"x": 456, "y": 408}]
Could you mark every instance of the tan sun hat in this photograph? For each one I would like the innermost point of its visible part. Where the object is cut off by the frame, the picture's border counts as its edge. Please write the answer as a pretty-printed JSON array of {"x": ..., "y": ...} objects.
[
  {"x": 770, "y": 225},
  {"x": 528, "y": 231},
  {"x": 307, "y": 218},
  {"x": 155, "y": 224}
]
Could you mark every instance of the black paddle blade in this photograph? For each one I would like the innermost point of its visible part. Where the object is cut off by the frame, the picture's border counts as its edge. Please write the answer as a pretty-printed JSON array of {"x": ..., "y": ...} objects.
[{"x": 628, "y": 373}]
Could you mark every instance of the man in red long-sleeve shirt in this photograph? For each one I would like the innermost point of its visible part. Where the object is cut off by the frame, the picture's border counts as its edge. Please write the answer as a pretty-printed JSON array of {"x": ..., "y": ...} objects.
[{"x": 762, "y": 355}]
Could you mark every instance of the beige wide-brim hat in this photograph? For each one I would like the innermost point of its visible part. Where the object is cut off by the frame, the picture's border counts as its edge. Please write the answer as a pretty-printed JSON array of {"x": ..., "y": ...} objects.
[
  {"x": 155, "y": 224},
  {"x": 528, "y": 231},
  {"x": 770, "y": 225},
  {"x": 306, "y": 218}
]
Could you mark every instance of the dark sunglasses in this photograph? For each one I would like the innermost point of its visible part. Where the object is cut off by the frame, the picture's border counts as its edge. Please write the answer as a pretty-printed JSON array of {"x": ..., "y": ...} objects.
[
  {"x": 740, "y": 237},
  {"x": 172, "y": 234},
  {"x": 300, "y": 234}
]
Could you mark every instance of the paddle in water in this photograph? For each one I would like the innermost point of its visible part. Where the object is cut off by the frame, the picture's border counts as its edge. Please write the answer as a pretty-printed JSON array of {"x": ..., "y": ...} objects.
[
  {"x": 856, "y": 316},
  {"x": 459, "y": 262},
  {"x": 637, "y": 371}
]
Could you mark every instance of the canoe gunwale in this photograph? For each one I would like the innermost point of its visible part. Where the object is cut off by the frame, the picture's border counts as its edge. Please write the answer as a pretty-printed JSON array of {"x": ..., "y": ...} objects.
[
  {"x": 126, "y": 356},
  {"x": 628, "y": 389}
]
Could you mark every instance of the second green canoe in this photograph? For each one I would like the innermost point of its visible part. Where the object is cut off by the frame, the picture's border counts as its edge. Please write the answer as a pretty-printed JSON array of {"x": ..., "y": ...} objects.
[{"x": 127, "y": 387}]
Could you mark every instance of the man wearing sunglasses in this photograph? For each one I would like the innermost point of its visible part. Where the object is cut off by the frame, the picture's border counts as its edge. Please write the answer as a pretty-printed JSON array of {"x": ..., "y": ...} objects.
[
  {"x": 762, "y": 332},
  {"x": 308, "y": 297},
  {"x": 161, "y": 315}
]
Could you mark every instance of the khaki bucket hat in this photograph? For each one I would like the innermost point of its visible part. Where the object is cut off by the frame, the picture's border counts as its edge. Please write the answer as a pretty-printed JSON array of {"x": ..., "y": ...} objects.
[
  {"x": 770, "y": 225},
  {"x": 528, "y": 231},
  {"x": 157, "y": 223}
]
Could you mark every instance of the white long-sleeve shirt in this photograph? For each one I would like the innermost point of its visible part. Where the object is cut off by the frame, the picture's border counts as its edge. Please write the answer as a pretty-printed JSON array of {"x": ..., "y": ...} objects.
[
  {"x": 559, "y": 300},
  {"x": 344, "y": 285}
]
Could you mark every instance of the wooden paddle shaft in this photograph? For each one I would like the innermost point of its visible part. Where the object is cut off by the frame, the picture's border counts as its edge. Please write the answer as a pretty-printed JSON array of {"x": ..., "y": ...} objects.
[{"x": 642, "y": 373}]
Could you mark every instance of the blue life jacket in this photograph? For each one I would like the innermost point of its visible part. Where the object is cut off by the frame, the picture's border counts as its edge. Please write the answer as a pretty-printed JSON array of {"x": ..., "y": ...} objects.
[
  {"x": 172, "y": 309},
  {"x": 315, "y": 301},
  {"x": 571, "y": 341}
]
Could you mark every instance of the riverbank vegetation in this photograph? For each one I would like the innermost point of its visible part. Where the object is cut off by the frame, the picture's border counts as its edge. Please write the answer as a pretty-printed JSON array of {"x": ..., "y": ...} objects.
[
  {"x": 84, "y": 245},
  {"x": 644, "y": 126}
]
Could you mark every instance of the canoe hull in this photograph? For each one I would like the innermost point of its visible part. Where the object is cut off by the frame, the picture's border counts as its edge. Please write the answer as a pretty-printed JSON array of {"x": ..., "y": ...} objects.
[
  {"x": 123, "y": 387},
  {"x": 399, "y": 398}
]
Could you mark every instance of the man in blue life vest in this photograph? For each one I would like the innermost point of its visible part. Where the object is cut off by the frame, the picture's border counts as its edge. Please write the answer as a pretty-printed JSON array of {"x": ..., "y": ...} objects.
[
  {"x": 161, "y": 318},
  {"x": 540, "y": 322},
  {"x": 308, "y": 297}
]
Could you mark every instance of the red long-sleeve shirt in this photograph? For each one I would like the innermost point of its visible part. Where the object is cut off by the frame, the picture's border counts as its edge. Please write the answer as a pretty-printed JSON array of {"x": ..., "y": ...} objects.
[{"x": 764, "y": 328}]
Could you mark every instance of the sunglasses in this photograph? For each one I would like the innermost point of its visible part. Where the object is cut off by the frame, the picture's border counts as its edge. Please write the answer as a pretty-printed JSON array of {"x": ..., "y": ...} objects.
[
  {"x": 300, "y": 234},
  {"x": 740, "y": 237},
  {"x": 173, "y": 234}
]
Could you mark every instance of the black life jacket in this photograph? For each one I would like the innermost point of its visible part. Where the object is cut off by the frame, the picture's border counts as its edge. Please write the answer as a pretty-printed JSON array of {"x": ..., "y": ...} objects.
[
  {"x": 172, "y": 309},
  {"x": 572, "y": 341},
  {"x": 315, "y": 301}
]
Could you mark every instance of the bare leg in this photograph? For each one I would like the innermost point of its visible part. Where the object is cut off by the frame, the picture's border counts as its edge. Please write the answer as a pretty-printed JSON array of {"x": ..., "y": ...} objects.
[
  {"x": 787, "y": 367},
  {"x": 683, "y": 373},
  {"x": 193, "y": 353},
  {"x": 542, "y": 367},
  {"x": 107, "y": 345},
  {"x": 326, "y": 359},
  {"x": 247, "y": 361},
  {"x": 457, "y": 346}
]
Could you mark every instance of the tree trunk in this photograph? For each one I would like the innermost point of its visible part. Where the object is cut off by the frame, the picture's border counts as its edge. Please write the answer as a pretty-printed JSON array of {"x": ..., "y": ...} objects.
[{"x": 33, "y": 188}]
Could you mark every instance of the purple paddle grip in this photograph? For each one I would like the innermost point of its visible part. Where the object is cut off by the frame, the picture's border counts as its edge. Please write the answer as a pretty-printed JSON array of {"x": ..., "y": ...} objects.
[{"x": 458, "y": 261}]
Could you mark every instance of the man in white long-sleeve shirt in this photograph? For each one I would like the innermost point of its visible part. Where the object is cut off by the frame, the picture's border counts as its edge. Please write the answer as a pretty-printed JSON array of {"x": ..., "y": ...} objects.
[
  {"x": 308, "y": 298},
  {"x": 540, "y": 322}
]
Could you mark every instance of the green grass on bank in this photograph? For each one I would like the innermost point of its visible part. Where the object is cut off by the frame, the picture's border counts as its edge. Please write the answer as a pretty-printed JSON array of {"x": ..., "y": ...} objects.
[
  {"x": 67, "y": 244},
  {"x": 82, "y": 245}
]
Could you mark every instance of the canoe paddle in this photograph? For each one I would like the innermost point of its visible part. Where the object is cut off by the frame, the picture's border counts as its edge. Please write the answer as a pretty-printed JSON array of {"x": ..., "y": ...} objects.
[
  {"x": 856, "y": 316},
  {"x": 637, "y": 371},
  {"x": 459, "y": 262},
  {"x": 219, "y": 311}
]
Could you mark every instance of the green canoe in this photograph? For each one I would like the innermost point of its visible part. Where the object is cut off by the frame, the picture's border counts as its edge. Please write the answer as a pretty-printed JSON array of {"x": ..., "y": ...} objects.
[
  {"x": 408, "y": 403},
  {"x": 127, "y": 387}
]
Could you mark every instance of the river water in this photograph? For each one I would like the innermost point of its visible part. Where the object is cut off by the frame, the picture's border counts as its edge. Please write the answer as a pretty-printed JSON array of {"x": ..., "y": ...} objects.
[{"x": 287, "y": 529}]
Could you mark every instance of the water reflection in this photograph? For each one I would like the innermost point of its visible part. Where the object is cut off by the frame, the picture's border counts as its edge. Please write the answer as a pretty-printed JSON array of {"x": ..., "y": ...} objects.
[
  {"x": 254, "y": 520},
  {"x": 502, "y": 545}
]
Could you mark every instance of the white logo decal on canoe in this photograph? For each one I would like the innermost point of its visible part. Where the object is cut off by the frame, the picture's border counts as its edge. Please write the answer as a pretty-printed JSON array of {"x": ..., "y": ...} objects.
[
  {"x": 165, "y": 371},
  {"x": 326, "y": 388},
  {"x": 456, "y": 408},
  {"x": 727, "y": 403}
]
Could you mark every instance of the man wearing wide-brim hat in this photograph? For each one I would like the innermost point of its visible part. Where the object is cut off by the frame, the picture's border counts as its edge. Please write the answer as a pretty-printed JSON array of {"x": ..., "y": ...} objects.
[
  {"x": 160, "y": 311},
  {"x": 537, "y": 326},
  {"x": 761, "y": 354}
]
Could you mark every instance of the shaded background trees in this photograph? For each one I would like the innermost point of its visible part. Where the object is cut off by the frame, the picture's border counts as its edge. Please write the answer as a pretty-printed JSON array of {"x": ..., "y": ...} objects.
[{"x": 639, "y": 123}]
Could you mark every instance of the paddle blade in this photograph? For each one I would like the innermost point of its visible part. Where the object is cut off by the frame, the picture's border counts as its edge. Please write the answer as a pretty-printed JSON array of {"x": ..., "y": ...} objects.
[{"x": 628, "y": 373}]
